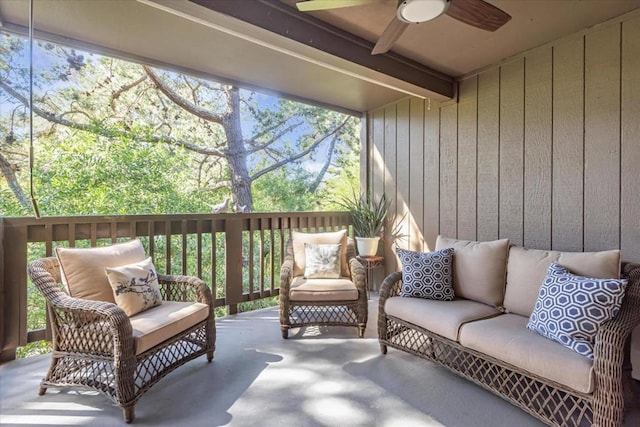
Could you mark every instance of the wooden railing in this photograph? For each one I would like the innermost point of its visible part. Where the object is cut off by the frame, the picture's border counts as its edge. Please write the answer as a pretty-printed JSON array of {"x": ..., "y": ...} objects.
[{"x": 239, "y": 255}]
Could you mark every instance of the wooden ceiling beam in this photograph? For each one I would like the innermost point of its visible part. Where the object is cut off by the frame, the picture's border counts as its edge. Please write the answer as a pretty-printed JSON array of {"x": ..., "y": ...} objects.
[{"x": 274, "y": 16}]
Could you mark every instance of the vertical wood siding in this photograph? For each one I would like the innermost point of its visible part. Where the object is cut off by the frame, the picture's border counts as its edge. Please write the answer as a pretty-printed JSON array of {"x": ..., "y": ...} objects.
[{"x": 543, "y": 149}]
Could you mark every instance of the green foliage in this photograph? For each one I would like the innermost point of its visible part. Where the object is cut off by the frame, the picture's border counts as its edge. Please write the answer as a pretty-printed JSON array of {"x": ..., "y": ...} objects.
[
  {"x": 368, "y": 215},
  {"x": 285, "y": 190}
]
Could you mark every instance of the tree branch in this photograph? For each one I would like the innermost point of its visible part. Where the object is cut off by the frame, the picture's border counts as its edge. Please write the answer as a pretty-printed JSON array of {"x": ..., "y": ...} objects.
[
  {"x": 300, "y": 154},
  {"x": 12, "y": 180},
  {"x": 217, "y": 186},
  {"x": 325, "y": 167},
  {"x": 182, "y": 102},
  {"x": 265, "y": 131},
  {"x": 110, "y": 133},
  {"x": 257, "y": 147},
  {"x": 116, "y": 94}
]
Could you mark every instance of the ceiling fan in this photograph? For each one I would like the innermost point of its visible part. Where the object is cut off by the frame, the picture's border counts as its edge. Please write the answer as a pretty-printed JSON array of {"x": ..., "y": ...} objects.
[{"x": 477, "y": 13}]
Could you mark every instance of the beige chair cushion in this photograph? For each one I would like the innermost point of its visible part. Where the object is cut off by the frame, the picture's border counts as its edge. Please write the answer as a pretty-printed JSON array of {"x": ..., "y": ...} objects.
[
  {"x": 527, "y": 268},
  {"x": 507, "y": 338},
  {"x": 479, "y": 269},
  {"x": 441, "y": 317},
  {"x": 152, "y": 327},
  {"x": 135, "y": 286},
  {"x": 330, "y": 238},
  {"x": 341, "y": 289},
  {"x": 82, "y": 269}
]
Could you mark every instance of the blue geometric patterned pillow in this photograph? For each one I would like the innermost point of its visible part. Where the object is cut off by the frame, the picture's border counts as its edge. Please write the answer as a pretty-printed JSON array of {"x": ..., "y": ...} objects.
[
  {"x": 427, "y": 274},
  {"x": 570, "y": 309}
]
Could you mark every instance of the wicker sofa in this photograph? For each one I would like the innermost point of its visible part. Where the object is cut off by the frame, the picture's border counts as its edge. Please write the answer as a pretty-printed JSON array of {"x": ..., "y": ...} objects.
[
  {"x": 482, "y": 334},
  {"x": 96, "y": 345}
]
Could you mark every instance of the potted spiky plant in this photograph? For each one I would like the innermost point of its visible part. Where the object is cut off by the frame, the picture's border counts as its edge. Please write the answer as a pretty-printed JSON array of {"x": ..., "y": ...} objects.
[{"x": 368, "y": 218}]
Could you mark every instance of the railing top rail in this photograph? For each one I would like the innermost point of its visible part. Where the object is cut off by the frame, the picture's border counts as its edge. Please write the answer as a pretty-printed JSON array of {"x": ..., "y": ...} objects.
[{"x": 81, "y": 219}]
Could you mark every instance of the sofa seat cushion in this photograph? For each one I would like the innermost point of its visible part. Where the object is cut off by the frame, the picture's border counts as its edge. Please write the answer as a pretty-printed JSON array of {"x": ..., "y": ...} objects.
[
  {"x": 507, "y": 338},
  {"x": 527, "y": 268},
  {"x": 152, "y": 327},
  {"x": 441, "y": 317},
  {"x": 479, "y": 269},
  {"x": 341, "y": 289}
]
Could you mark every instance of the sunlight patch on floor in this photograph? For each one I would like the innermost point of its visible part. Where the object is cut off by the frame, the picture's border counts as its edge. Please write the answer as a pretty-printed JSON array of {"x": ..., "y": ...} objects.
[
  {"x": 335, "y": 410},
  {"x": 46, "y": 420},
  {"x": 57, "y": 406}
]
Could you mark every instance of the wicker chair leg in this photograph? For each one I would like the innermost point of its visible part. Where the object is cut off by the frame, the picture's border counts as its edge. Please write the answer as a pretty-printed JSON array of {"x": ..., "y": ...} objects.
[
  {"x": 383, "y": 348},
  {"x": 42, "y": 390},
  {"x": 361, "y": 330},
  {"x": 285, "y": 332},
  {"x": 209, "y": 355},
  {"x": 129, "y": 413}
]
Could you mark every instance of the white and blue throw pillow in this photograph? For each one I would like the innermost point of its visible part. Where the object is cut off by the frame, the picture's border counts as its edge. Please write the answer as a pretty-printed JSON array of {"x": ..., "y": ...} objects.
[
  {"x": 322, "y": 261},
  {"x": 427, "y": 274},
  {"x": 570, "y": 309}
]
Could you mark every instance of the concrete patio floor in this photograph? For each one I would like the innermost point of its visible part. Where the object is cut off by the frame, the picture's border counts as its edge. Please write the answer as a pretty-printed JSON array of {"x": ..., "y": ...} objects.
[{"x": 318, "y": 377}]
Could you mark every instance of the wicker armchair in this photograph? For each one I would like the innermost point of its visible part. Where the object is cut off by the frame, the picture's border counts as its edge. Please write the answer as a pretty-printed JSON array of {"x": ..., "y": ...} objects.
[
  {"x": 297, "y": 311},
  {"x": 94, "y": 342}
]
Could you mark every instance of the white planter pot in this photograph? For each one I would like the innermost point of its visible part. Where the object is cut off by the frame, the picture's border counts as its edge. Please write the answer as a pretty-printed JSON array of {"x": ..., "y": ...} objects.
[{"x": 367, "y": 246}]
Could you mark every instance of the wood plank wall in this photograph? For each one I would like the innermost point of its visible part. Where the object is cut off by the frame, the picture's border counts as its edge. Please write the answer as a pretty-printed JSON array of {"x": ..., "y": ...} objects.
[{"x": 543, "y": 149}]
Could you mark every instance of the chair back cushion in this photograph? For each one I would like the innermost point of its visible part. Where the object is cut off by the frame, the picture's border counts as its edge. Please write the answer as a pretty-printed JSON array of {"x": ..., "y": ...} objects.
[
  {"x": 329, "y": 238},
  {"x": 82, "y": 269},
  {"x": 527, "y": 269},
  {"x": 479, "y": 269}
]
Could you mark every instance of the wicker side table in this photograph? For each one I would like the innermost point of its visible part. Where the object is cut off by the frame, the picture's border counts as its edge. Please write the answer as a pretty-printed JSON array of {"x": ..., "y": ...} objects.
[{"x": 370, "y": 263}]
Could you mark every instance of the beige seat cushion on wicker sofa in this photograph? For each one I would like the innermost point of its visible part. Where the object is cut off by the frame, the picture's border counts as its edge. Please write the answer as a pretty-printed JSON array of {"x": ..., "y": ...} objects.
[
  {"x": 441, "y": 317},
  {"x": 322, "y": 289},
  {"x": 152, "y": 327},
  {"x": 507, "y": 338},
  {"x": 527, "y": 268}
]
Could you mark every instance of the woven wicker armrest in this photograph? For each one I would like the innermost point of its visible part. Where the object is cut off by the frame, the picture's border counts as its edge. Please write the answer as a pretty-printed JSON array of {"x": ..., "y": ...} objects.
[
  {"x": 611, "y": 354},
  {"x": 613, "y": 335},
  {"x": 391, "y": 286},
  {"x": 185, "y": 289},
  {"x": 358, "y": 274},
  {"x": 77, "y": 321},
  {"x": 286, "y": 275},
  {"x": 95, "y": 327}
]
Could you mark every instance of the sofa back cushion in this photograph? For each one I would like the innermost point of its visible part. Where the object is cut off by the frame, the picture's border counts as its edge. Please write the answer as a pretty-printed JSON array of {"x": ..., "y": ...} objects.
[
  {"x": 328, "y": 238},
  {"x": 479, "y": 269},
  {"x": 527, "y": 268}
]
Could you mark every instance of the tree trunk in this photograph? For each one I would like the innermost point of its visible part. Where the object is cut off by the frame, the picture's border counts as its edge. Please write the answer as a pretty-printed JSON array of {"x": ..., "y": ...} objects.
[
  {"x": 12, "y": 180},
  {"x": 237, "y": 157}
]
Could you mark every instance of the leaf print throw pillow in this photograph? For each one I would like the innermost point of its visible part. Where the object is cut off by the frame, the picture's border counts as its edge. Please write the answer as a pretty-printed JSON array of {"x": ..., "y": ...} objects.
[
  {"x": 135, "y": 286},
  {"x": 322, "y": 261}
]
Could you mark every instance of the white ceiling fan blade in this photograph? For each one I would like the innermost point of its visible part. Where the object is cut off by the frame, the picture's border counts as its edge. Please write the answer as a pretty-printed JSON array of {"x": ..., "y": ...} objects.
[{"x": 392, "y": 33}]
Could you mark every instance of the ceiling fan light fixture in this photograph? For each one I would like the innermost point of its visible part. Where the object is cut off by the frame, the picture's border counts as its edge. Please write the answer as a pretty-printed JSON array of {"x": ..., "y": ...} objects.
[{"x": 414, "y": 11}]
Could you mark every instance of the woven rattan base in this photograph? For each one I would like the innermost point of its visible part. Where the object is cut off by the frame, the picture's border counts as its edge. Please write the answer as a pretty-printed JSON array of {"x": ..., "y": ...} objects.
[
  {"x": 325, "y": 314},
  {"x": 551, "y": 403}
]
